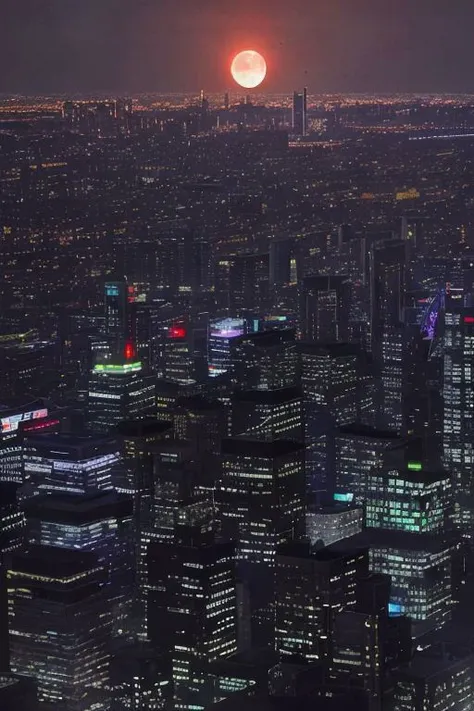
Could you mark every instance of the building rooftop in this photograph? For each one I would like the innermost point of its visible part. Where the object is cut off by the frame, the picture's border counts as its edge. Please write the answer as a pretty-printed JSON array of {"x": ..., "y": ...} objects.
[
  {"x": 67, "y": 443},
  {"x": 260, "y": 448},
  {"x": 331, "y": 350},
  {"x": 269, "y": 339},
  {"x": 199, "y": 403},
  {"x": 381, "y": 538},
  {"x": 267, "y": 397},
  {"x": 147, "y": 427},
  {"x": 435, "y": 662},
  {"x": 49, "y": 561},
  {"x": 78, "y": 508},
  {"x": 359, "y": 430}
]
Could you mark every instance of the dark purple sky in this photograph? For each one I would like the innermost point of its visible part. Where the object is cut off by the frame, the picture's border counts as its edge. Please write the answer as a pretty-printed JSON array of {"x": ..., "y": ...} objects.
[{"x": 181, "y": 45}]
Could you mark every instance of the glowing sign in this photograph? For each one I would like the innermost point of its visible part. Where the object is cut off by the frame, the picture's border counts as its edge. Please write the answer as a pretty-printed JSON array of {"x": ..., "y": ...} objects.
[
  {"x": 40, "y": 425},
  {"x": 468, "y": 319},
  {"x": 414, "y": 466},
  {"x": 177, "y": 332},
  {"x": 111, "y": 290},
  {"x": 118, "y": 368},
  {"x": 129, "y": 350},
  {"x": 345, "y": 498},
  {"x": 394, "y": 609},
  {"x": 12, "y": 423},
  {"x": 228, "y": 328}
]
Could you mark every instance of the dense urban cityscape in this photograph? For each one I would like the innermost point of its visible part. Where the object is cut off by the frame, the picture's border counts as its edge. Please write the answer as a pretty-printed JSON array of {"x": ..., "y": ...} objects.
[{"x": 236, "y": 410}]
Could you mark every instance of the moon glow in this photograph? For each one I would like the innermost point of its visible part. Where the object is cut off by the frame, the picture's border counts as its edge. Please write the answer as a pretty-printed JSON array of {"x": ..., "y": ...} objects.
[{"x": 248, "y": 69}]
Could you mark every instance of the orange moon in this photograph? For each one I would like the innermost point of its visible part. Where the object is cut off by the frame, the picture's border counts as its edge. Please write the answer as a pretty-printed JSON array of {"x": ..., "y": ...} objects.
[{"x": 248, "y": 69}]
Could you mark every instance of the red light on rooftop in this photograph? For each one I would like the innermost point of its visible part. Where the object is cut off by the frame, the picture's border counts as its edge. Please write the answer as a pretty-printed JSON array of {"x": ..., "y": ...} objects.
[
  {"x": 129, "y": 351},
  {"x": 177, "y": 332}
]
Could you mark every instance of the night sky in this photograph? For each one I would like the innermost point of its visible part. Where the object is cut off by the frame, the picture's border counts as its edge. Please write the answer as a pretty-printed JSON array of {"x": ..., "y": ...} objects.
[{"x": 182, "y": 45}]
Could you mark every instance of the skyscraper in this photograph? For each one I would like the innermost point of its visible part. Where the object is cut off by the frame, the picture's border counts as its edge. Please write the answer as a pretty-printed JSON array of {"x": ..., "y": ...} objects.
[
  {"x": 193, "y": 610},
  {"x": 299, "y": 120},
  {"x": 119, "y": 391},
  {"x": 311, "y": 587},
  {"x": 117, "y": 315},
  {"x": 458, "y": 416},
  {"x": 324, "y": 308}
]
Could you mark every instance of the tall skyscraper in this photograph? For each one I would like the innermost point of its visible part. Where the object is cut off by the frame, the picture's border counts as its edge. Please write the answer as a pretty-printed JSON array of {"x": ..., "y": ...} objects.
[
  {"x": 265, "y": 360},
  {"x": 359, "y": 450},
  {"x": 193, "y": 610},
  {"x": 299, "y": 120},
  {"x": 138, "y": 438},
  {"x": 324, "y": 308},
  {"x": 330, "y": 379},
  {"x": 260, "y": 497},
  {"x": 458, "y": 420},
  {"x": 221, "y": 335},
  {"x": 117, "y": 315},
  {"x": 311, "y": 587},
  {"x": 407, "y": 510},
  {"x": 118, "y": 391},
  {"x": 268, "y": 414}
]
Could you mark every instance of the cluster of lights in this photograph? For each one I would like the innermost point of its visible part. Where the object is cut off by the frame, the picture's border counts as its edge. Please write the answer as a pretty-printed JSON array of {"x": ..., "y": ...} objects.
[{"x": 119, "y": 369}]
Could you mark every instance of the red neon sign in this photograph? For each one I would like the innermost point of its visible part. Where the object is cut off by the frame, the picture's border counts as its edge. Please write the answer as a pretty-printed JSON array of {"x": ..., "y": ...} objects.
[
  {"x": 468, "y": 319},
  {"x": 129, "y": 351},
  {"x": 40, "y": 426},
  {"x": 177, "y": 332}
]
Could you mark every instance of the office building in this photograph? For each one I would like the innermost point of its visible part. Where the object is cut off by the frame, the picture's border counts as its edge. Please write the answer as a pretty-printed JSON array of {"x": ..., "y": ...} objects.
[
  {"x": 458, "y": 410},
  {"x": 100, "y": 522},
  {"x": 280, "y": 258},
  {"x": 60, "y": 623},
  {"x": 71, "y": 463},
  {"x": 392, "y": 348},
  {"x": 221, "y": 335},
  {"x": 117, "y": 297},
  {"x": 440, "y": 677},
  {"x": 311, "y": 588},
  {"x": 266, "y": 360},
  {"x": 330, "y": 380},
  {"x": 192, "y": 610},
  {"x": 299, "y": 119},
  {"x": 268, "y": 414},
  {"x": 324, "y": 308},
  {"x": 12, "y": 519},
  {"x": 119, "y": 391},
  {"x": 261, "y": 495},
  {"x": 140, "y": 679},
  {"x": 407, "y": 511},
  {"x": 137, "y": 439},
  {"x": 178, "y": 355},
  {"x": 18, "y": 419},
  {"x": 388, "y": 280},
  {"x": 359, "y": 451}
]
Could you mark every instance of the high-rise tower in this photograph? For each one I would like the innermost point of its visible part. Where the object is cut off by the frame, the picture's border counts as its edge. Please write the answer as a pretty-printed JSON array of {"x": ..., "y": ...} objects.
[{"x": 299, "y": 115}]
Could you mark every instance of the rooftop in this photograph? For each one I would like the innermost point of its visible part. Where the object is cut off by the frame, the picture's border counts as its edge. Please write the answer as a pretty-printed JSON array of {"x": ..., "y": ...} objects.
[{"x": 260, "y": 448}]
